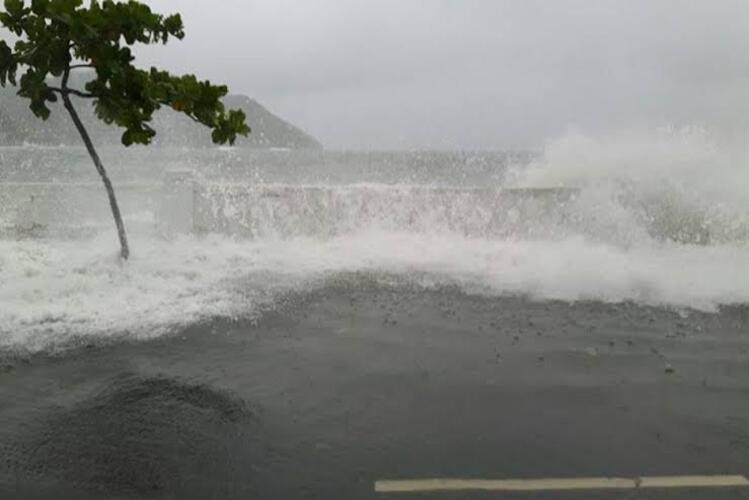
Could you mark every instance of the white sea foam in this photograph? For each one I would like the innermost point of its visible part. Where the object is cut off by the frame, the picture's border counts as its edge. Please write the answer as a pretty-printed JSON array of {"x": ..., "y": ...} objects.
[{"x": 52, "y": 291}]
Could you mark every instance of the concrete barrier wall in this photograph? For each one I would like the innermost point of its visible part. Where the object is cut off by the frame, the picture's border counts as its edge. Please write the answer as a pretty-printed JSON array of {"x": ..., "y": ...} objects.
[
  {"x": 180, "y": 204},
  {"x": 329, "y": 210}
]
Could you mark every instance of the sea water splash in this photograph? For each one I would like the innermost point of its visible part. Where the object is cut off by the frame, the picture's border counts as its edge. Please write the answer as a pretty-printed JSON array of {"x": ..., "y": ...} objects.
[
  {"x": 669, "y": 184},
  {"x": 656, "y": 220}
]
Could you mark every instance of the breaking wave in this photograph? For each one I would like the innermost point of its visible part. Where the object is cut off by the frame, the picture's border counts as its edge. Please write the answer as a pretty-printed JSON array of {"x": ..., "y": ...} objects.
[{"x": 658, "y": 219}]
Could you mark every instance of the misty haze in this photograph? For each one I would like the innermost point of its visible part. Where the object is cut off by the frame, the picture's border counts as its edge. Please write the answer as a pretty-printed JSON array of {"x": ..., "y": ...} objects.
[{"x": 374, "y": 249}]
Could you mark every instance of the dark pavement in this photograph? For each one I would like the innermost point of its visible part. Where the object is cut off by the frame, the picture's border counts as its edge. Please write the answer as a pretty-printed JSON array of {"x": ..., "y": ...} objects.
[{"x": 357, "y": 382}]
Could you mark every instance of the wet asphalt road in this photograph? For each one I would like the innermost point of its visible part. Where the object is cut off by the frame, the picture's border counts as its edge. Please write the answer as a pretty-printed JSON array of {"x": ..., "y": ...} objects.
[{"x": 358, "y": 382}]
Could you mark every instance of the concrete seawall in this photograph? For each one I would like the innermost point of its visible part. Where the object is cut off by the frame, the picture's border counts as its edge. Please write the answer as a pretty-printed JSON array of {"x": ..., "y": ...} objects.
[{"x": 181, "y": 204}]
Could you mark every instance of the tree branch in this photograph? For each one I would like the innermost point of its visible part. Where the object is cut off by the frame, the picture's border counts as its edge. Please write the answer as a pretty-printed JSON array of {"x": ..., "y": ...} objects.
[
  {"x": 80, "y": 66},
  {"x": 75, "y": 92}
]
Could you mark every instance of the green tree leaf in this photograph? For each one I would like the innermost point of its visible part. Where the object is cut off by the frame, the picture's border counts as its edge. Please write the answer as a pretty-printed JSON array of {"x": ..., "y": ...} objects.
[{"x": 57, "y": 34}]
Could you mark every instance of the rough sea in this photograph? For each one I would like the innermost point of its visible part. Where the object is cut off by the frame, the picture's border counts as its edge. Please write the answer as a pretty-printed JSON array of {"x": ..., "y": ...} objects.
[{"x": 658, "y": 218}]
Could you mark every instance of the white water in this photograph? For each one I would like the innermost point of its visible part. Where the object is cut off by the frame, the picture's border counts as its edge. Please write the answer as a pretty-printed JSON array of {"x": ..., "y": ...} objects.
[{"x": 616, "y": 245}]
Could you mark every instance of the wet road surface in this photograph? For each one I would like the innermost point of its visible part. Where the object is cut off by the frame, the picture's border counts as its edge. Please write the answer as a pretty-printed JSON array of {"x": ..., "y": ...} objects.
[{"x": 356, "y": 383}]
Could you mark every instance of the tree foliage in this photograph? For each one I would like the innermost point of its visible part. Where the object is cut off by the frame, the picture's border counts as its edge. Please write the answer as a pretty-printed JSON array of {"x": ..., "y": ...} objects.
[{"x": 58, "y": 36}]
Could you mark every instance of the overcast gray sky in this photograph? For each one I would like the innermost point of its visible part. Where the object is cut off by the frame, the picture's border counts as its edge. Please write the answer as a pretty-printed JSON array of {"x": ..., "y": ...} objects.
[{"x": 394, "y": 74}]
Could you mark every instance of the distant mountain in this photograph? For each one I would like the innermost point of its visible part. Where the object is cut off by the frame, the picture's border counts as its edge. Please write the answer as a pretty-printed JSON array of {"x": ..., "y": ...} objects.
[
  {"x": 268, "y": 130},
  {"x": 19, "y": 126}
]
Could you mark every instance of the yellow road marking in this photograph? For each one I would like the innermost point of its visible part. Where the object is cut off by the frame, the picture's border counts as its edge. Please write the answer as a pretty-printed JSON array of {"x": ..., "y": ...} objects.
[{"x": 550, "y": 484}]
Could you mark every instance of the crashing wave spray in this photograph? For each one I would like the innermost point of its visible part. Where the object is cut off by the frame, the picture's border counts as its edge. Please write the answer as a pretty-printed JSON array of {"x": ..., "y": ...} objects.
[
  {"x": 672, "y": 184},
  {"x": 656, "y": 219}
]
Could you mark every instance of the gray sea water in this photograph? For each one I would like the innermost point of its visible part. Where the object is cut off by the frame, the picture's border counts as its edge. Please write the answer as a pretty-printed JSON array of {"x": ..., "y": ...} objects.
[{"x": 434, "y": 168}]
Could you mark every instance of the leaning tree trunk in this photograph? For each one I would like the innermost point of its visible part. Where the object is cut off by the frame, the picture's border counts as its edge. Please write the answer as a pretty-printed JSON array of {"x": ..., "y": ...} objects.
[{"x": 124, "y": 248}]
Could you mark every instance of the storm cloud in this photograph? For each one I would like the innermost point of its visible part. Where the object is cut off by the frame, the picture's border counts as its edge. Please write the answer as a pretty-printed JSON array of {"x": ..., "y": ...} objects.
[{"x": 472, "y": 74}]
